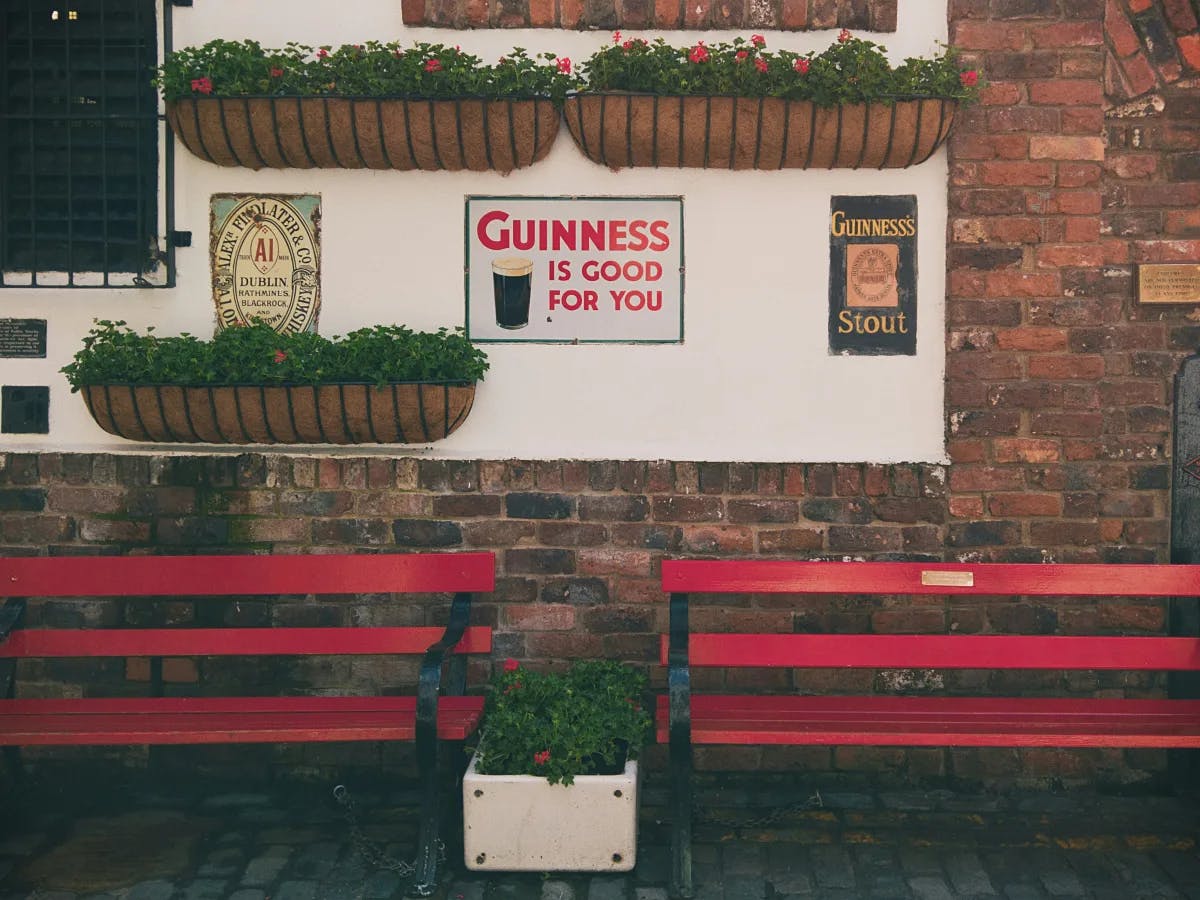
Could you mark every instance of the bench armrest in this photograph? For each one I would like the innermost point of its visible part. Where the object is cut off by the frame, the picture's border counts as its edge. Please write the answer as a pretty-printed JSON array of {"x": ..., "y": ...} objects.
[{"x": 430, "y": 682}]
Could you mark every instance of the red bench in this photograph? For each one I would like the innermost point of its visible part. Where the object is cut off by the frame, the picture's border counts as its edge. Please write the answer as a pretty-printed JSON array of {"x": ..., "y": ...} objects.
[
  {"x": 91, "y": 720},
  {"x": 684, "y": 719}
]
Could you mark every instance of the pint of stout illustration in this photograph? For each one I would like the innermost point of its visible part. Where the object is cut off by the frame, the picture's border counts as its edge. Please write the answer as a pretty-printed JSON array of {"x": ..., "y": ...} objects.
[{"x": 511, "y": 277}]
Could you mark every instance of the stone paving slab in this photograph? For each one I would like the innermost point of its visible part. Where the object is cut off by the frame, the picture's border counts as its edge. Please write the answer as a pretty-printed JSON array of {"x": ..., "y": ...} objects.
[{"x": 292, "y": 843}]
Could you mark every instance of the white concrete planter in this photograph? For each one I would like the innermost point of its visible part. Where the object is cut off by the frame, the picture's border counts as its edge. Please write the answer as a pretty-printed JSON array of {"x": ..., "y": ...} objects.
[{"x": 522, "y": 823}]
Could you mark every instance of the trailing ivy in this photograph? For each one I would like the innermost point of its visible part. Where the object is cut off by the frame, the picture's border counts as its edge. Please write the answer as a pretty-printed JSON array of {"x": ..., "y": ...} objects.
[{"x": 255, "y": 354}]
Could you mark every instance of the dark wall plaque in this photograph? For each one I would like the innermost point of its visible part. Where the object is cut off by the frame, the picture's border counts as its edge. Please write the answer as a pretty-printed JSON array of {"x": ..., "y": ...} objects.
[
  {"x": 873, "y": 275},
  {"x": 22, "y": 338}
]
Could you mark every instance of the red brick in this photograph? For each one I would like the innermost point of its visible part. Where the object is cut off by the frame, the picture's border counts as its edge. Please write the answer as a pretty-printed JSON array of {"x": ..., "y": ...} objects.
[
  {"x": 570, "y": 13},
  {"x": 1013, "y": 284},
  {"x": 1000, "y": 94},
  {"x": 696, "y": 13},
  {"x": 1077, "y": 203},
  {"x": 607, "y": 561},
  {"x": 1013, "y": 230},
  {"x": 1076, "y": 367},
  {"x": 1120, "y": 31},
  {"x": 1029, "y": 450},
  {"x": 966, "y": 507},
  {"x": 1138, "y": 6},
  {"x": 964, "y": 450},
  {"x": 1024, "y": 504},
  {"x": 790, "y": 540},
  {"x": 1054, "y": 256},
  {"x": 1180, "y": 15},
  {"x": 718, "y": 539},
  {"x": 1068, "y": 34},
  {"x": 1140, "y": 74},
  {"x": 1082, "y": 229},
  {"x": 1166, "y": 251},
  {"x": 1189, "y": 49},
  {"x": 1067, "y": 424},
  {"x": 985, "y": 478},
  {"x": 1066, "y": 92},
  {"x": 1032, "y": 174},
  {"x": 1066, "y": 148},
  {"x": 1031, "y": 338},
  {"x": 1185, "y": 221},
  {"x": 412, "y": 12},
  {"x": 794, "y": 15},
  {"x": 972, "y": 35}
]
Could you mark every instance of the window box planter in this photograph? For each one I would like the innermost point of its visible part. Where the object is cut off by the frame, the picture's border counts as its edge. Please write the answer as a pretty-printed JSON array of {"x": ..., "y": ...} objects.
[
  {"x": 524, "y": 823},
  {"x": 401, "y": 413},
  {"x": 366, "y": 132},
  {"x": 618, "y": 129}
]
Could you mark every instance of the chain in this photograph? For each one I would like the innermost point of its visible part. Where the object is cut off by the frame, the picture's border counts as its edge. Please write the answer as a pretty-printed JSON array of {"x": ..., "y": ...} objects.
[
  {"x": 706, "y": 816},
  {"x": 371, "y": 852}
]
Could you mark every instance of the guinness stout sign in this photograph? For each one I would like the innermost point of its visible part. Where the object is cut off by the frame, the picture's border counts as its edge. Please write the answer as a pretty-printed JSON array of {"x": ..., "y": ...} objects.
[
  {"x": 266, "y": 260},
  {"x": 873, "y": 275}
]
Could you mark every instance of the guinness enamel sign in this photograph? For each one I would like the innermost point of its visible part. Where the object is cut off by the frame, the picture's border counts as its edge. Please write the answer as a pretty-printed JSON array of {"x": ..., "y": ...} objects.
[
  {"x": 873, "y": 276},
  {"x": 266, "y": 260}
]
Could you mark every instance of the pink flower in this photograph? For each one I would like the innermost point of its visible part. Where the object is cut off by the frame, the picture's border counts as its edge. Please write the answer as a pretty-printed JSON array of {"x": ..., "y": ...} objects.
[
  {"x": 758, "y": 40},
  {"x": 843, "y": 36},
  {"x": 280, "y": 356},
  {"x": 761, "y": 65},
  {"x": 322, "y": 53},
  {"x": 970, "y": 78},
  {"x": 276, "y": 73},
  {"x": 564, "y": 65},
  {"x": 698, "y": 54},
  {"x": 627, "y": 46},
  {"x": 801, "y": 65},
  {"x": 616, "y": 37},
  {"x": 541, "y": 758},
  {"x": 202, "y": 85},
  {"x": 511, "y": 665},
  {"x": 433, "y": 65},
  {"x": 740, "y": 56}
]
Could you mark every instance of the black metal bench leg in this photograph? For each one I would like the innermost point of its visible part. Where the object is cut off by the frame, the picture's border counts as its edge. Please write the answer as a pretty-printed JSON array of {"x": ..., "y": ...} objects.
[
  {"x": 681, "y": 820},
  {"x": 428, "y": 843}
]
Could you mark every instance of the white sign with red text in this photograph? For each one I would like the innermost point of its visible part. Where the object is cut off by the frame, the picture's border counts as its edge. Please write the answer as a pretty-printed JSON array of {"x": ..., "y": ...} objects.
[{"x": 575, "y": 269}]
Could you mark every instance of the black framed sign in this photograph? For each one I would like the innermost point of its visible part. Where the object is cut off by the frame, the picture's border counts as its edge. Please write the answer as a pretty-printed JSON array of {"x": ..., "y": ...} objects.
[{"x": 873, "y": 275}]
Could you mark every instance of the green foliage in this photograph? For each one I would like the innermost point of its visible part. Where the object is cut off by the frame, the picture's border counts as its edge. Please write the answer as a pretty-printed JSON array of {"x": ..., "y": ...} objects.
[
  {"x": 851, "y": 70},
  {"x": 255, "y": 354},
  {"x": 584, "y": 722},
  {"x": 374, "y": 69}
]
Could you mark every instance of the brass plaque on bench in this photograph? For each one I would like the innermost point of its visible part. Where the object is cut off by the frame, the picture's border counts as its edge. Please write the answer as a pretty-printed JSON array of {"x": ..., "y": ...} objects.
[{"x": 948, "y": 579}]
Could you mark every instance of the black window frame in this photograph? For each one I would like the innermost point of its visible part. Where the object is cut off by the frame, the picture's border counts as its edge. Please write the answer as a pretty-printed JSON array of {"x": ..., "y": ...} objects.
[{"x": 156, "y": 266}]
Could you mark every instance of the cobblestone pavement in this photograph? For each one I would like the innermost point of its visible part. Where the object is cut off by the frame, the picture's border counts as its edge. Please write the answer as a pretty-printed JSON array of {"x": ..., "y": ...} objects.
[{"x": 195, "y": 841}]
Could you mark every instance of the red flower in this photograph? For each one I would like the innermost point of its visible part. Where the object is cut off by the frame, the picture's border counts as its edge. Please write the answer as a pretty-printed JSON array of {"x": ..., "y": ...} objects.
[
  {"x": 761, "y": 65},
  {"x": 433, "y": 65},
  {"x": 564, "y": 65},
  {"x": 801, "y": 66},
  {"x": 616, "y": 37},
  {"x": 511, "y": 665},
  {"x": 969, "y": 78},
  {"x": 322, "y": 53},
  {"x": 844, "y": 36},
  {"x": 627, "y": 46},
  {"x": 740, "y": 56},
  {"x": 758, "y": 40},
  {"x": 515, "y": 686},
  {"x": 541, "y": 758},
  {"x": 276, "y": 73},
  {"x": 280, "y": 356},
  {"x": 203, "y": 85},
  {"x": 699, "y": 54}
]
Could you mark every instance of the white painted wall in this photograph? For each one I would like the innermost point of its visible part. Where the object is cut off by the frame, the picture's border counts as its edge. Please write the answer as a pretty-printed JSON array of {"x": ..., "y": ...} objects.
[{"x": 753, "y": 380}]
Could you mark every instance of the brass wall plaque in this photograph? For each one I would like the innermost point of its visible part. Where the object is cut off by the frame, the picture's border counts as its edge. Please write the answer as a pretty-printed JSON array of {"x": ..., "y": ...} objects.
[
  {"x": 948, "y": 579},
  {"x": 1168, "y": 283}
]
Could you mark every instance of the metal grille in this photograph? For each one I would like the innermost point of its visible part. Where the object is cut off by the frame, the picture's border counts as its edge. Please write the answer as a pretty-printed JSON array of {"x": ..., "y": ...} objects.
[{"x": 79, "y": 181}]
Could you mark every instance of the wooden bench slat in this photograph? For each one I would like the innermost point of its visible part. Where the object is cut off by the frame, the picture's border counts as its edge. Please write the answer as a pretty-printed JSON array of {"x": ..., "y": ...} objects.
[
  {"x": 267, "y": 641},
  {"x": 940, "y": 721},
  {"x": 1034, "y": 579},
  {"x": 209, "y": 720},
  {"x": 940, "y": 651},
  {"x": 119, "y": 576}
]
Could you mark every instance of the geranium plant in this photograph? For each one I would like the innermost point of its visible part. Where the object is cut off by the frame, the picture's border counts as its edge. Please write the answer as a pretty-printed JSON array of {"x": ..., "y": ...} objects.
[
  {"x": 851, "y": 70},
  {"x": 586, "y": 721},
  {"x": 256, "y": 354},
  {"x": 223, "y": 68}
]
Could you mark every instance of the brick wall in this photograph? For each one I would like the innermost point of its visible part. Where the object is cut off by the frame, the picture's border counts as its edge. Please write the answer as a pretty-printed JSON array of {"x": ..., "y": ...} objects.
[
  {"x": 789, "y": 15},
  {"x": 1072, "y": 171}
]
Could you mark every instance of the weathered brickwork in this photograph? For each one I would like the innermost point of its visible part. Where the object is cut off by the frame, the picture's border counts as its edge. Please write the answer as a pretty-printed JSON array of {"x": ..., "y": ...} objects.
[{"x": 786, "y": 15}]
